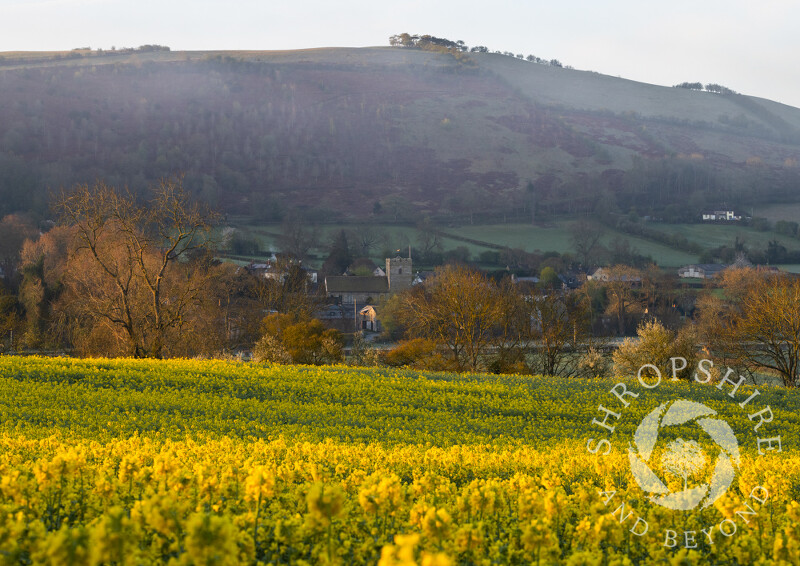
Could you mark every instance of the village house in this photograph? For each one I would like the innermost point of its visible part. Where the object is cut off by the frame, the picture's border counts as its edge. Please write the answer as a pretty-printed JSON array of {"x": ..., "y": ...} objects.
[
  {"x": 356, "y": 289},
  {"x": 270, "y": 270},
  {"x": 724, "y": 215},
  {"x": 702, "y": 270},
  {"x": 363, "y": 266},
  {"x": 368, "y": 319},
  {"x": 572, "y": 279},
  {"x": 604, "y": 275},
  {"x": 421, "y": 276},
  {"x": 331, "y": 313}
]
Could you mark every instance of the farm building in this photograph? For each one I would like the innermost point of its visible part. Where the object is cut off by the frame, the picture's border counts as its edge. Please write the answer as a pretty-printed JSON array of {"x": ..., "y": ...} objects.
[{"x": 702, "y": 270}]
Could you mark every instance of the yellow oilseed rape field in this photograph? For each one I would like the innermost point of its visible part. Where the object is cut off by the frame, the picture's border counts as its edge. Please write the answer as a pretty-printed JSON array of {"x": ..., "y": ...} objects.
[{"x": 208, "y": 462}]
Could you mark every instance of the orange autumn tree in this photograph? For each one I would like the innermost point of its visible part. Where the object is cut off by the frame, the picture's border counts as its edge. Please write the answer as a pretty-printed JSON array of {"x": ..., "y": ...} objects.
[
  {"x": 133, "y": 274},
  {"x": 755, "y": 325},
  {"x": 458, "y": 308}
]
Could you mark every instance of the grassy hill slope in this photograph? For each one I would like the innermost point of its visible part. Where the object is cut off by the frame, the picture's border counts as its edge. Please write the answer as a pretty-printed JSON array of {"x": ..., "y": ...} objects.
[{"x": 340, "y": 129}]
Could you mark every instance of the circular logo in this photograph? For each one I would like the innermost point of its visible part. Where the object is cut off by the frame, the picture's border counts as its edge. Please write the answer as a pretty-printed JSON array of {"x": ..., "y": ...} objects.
[{"x": 685, "y": 460}]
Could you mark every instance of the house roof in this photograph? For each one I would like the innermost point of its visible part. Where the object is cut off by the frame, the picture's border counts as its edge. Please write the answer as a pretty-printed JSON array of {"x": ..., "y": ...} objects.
[
  {"x": 356, "y": 284},
  {"x": 603, "y": 274}
]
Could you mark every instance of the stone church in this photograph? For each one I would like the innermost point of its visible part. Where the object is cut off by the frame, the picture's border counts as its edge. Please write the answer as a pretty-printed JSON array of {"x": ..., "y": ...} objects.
[{"x": 363, "y": 290}]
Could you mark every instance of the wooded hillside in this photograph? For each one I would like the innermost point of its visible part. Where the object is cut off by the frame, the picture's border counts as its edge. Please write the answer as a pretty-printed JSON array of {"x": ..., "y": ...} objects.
[{"x": 388, "y": 130}]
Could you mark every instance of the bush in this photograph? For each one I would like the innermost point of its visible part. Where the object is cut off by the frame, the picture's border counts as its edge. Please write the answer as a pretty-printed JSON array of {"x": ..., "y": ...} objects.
[
  {"x": 656, "y": 345},
  {"x": 304, "y": 342},
  {"x": 510, "y": 361},
  {"x": 419, "y": 353},
  {"x": 593, "y": 363},
  {"x": 270, "y": 349},
  {"x": 362, "y": 354},
  {"x": 760, "y": 224}
]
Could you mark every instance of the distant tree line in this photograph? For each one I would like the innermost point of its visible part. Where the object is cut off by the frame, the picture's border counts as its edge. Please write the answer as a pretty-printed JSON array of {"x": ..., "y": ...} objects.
[
  {"x": 711, "y": 87},
  {"x": 141, "y": 49},
  {"x": 120, "y": 276},
  {"x": 433, "y": 43},
  {"x": 79, "y": 52}
]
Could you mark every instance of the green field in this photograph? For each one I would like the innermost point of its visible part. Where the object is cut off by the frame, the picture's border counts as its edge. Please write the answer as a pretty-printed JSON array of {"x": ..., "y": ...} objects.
[
  {"x": 555, "y": 237},
  {"x": 775, "y": 212},
  {"x": 715, "y": 235}
]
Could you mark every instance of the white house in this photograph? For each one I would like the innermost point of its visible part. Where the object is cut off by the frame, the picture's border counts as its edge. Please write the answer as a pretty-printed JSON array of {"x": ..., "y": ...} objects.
[
  {"x": 726, "y": 215},
  {"x": 701, "y": 271},
  {"x": 368, "y": 319}
]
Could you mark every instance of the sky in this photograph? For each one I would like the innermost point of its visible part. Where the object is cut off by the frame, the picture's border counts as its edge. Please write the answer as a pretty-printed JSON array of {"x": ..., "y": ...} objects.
[{"x": 750, "y": 46}]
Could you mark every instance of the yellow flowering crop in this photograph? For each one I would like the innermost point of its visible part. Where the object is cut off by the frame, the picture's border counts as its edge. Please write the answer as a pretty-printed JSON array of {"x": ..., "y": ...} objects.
[{"x": 190, "y": 462}]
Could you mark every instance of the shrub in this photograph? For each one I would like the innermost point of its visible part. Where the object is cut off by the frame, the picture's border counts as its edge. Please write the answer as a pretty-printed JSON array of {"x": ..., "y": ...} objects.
[
  {"x": 592, "y": 363},
  {"x": 304, "y": 342},
  {"x": 419, "y": 353},
  {"x": 362, "y": 354},
  {"x": 656, "y": 345},
  {"x": 270, "y": 349}
]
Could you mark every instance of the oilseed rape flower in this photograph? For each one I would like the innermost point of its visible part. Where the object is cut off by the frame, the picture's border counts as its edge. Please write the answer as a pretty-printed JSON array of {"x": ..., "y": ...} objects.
[
  {"x": 210, "y": 541},
  {"x": 114, "y": 538},
  {"x": 260, "y": 484},
  {"x": 68, "y": 545},
  {"x": 436, "y": 523},
  {"x": 347, "y": 466},
  {"x": 324, "y": 503},
  {"x": 404, "y": 553},
  {"x": 381, "y": 494}
]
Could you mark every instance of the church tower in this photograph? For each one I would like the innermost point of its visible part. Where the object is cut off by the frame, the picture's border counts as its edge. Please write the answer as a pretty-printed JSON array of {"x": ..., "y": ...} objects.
[{"x": 398, "y": 271}]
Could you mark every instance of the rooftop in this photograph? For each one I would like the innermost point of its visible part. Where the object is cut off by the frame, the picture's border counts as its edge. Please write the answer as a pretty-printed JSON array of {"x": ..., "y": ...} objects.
[{"x": 356, "y": 284}]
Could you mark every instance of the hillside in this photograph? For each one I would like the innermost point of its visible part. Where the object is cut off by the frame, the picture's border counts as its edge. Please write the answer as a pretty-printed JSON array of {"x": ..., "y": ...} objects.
[{"x": 385, "y": 131}]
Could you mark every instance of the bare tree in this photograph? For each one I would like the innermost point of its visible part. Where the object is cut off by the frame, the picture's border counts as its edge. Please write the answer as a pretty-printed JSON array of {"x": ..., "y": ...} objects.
[
  {"x": 541, "y": 331},
  {"x": 428, "y": 238},
  {"x": 364, "y": 239},
  {"x": 757, "y": 325},
  {"x": 458, "y": 308},
  {"x": 561, "y": 325},
  {"x": 232, "y": 309},
  {"x": 585, "y": 240},
  {"x": 297, "y": 237},
  {"x": 43, "y": 264},
  {"x": 620, "y": 287},
  {"x": 129, "y": 270},
  {"x": 290, "y": 293},
  {"x": 14, "y": 230}
]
